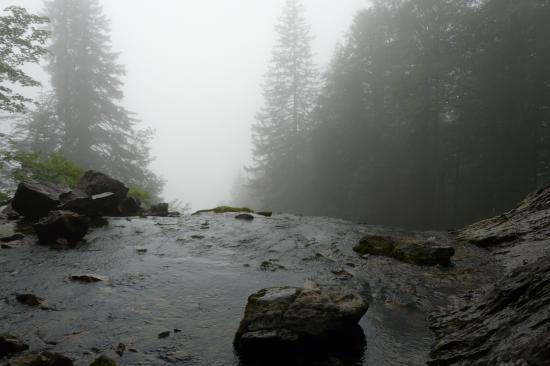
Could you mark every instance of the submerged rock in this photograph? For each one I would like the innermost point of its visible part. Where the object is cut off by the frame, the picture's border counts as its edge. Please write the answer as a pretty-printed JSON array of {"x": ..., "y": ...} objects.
[
  {"x": 286, "y": 319},
  {"x": 408, "y": 251},
  {"x": 86, "y": 278},
  {"x": 36, "y": 199},
  {"x": 30, "y": 300},
  {"x": 40, "y": 359},
  {"x": 265, "y": 213},
  {"x": 62, "y": 225},
  {"x": 11, "y": 344},
  {"x": 505, "y": 324}
]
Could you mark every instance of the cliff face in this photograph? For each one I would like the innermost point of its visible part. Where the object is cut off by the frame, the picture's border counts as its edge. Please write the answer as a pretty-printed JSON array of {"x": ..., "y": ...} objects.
[{"x": 507, "y": 322}]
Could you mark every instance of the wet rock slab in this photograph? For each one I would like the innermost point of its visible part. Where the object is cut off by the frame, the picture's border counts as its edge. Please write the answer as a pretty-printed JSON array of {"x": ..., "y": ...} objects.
[
  {"x": 283, "y": 320},
  {"x": 10, "y": 344},
  {"x": 506, "y": 324}
]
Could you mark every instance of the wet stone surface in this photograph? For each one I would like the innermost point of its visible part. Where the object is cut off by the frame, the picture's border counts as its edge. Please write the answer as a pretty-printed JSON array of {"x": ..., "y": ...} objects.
[{"x": 201, "y": 287}]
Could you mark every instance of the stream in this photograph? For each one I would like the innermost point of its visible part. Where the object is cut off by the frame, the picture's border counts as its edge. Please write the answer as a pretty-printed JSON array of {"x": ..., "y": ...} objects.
[{"x": 192, "y": 276}]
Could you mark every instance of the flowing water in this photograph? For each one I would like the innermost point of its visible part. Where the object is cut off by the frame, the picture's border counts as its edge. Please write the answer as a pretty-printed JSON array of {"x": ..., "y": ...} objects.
[{"x": 192, "y": 276}]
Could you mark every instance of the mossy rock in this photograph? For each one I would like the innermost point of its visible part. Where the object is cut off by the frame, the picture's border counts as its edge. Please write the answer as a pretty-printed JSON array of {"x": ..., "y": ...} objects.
[
  {"x": 407, "y": 251},
  {"x": 376, "y": 245},
  {"x": 225, "y": 209},
  {"x": 103, "y": 361}
]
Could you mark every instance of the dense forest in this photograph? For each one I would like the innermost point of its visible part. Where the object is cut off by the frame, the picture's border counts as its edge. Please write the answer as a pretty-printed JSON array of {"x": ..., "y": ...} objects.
[{"x": 432, "y": 114}]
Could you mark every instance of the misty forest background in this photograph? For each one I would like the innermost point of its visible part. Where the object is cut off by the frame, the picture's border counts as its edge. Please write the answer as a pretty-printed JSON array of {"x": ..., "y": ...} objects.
[{"x": 432, "y": 113}]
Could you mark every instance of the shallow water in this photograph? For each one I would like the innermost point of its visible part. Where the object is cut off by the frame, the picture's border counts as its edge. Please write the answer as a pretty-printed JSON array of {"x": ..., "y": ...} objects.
[{"x": 199, "y": 286}]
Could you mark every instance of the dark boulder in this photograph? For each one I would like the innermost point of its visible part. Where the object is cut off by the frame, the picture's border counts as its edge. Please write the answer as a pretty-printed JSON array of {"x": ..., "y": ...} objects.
[
  {"x": 286, "y": 319},
  {"x": 160, "y": 209},
  {"x": 418, "y": 252},
  {"x": 36, "y": 199},
  {"x": 94, "y": 183},
  {"x": 103, "y": 204},
  {"x": 30, "y": 300},
  {"x": 10, "y": 344},
  {"x": 40, "y": 359},
  {"x": 62, "y": 225},
  {"x": 507, "y": 323},
  {"x": 130, "y": 206}
]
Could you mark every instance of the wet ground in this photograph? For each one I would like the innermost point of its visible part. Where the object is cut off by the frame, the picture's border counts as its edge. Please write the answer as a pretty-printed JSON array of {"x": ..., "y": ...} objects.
[{"x": 192, "y": 275}]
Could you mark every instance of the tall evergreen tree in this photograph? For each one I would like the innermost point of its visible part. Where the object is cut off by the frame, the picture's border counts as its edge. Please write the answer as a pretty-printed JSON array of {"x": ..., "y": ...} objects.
[
  {"x": 97, "y": 131},
  {"x": 290, "y": 89}
]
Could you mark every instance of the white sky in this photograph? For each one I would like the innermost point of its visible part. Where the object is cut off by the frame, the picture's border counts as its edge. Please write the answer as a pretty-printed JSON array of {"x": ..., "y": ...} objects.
[{"x": 194, "y": 73}]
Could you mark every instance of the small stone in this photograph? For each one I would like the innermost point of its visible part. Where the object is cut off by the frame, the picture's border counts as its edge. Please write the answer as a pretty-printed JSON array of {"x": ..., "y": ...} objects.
[
  {"x": 141, "y": 251},
  {"x": 245, "y": 217},
  {"x": 30, "y": 300},
  {"x": 176, "y": 330},
  {"x": 120, "y": 349},
  {"x": 265, "y": 213},
  {"x": 197, "y": 237},
  {"x": 86, "y": 278},
  {"x": 165, "y": 334}
]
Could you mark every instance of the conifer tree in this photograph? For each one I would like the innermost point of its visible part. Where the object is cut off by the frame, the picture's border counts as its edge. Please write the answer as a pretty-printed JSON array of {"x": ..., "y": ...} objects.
[
  {"x": 98, "y": 132},
  {"x": 289, "y": 89}
]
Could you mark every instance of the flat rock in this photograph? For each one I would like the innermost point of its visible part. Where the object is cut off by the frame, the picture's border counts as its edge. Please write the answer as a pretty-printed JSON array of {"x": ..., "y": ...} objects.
[
  {"x": 86, "y": 278},
  {"x": 281, "y": 319},
  {"x": 11, "y": 344}
]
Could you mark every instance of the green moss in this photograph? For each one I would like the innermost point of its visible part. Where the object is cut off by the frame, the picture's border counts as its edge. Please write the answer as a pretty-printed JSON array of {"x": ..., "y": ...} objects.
[
  {"x": 226, "y": 209},
  {"x": 103, "y": 361},
  {"x": 140, "y": 194},
  {"x": 376, "y": 245}
]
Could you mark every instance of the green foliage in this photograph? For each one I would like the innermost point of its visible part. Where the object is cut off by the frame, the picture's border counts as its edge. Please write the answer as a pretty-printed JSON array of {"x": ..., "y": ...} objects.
[
  {"x": 21, "y": 41},
  {"x": 141, "y": 194},
  {"x": 54, "y": 168}
]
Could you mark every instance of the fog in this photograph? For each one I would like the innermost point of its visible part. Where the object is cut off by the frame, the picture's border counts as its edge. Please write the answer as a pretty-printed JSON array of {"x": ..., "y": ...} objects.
[{"x": 194, "y": 70}]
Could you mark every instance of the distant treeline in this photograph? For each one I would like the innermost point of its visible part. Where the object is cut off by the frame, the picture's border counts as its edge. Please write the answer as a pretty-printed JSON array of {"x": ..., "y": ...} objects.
[{"x": 433, "y": 114}]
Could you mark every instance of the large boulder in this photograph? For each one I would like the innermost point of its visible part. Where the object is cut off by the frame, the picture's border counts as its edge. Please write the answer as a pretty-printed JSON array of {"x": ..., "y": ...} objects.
[
  {"x": 95, "y": 183},
  {"x": 62, "y": 225},
  {"x": 10, "y": 344},
  {"x": 287, "y": 319},
  {"x": 419, "y": 252},
  {"x": 507, "y": 323},
  {"x": 103, "y": 204},
  {"x": 36, "y": 199},
  {"x": 40, "y": 359}
]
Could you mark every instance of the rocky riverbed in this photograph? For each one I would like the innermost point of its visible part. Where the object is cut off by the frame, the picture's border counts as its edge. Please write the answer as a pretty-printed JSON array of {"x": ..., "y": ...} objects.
[{"x": 172, "y": 290}]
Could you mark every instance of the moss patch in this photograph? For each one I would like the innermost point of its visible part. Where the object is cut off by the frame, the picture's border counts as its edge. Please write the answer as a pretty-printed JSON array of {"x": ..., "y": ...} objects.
[{"x": 225, "y": 209}]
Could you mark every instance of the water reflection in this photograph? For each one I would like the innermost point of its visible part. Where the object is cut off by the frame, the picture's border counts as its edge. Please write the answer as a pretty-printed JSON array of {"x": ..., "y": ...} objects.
[{"x": 344, "y": 350}]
